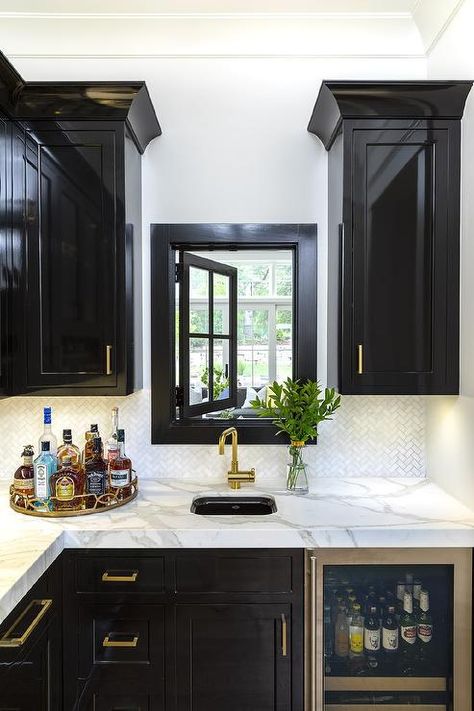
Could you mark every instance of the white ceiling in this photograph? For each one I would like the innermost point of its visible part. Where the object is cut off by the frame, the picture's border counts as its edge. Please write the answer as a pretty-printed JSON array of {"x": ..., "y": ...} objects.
[
  {"x": 209, "y": 6},
  {"x": 406, "y": 28}
]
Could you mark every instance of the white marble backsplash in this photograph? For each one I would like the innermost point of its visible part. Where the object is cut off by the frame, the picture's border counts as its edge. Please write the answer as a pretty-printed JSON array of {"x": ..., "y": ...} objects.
[{"x": 369, "y": 436}]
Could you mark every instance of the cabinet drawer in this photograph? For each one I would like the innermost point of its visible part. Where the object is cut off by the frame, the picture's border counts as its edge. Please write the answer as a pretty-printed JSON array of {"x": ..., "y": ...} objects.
[
  {"x": 108, "y": 574},
  {"x": 125, "y": 702},
  {"x": 121, "y": 636},
  {"x": 248, "y": 572}
]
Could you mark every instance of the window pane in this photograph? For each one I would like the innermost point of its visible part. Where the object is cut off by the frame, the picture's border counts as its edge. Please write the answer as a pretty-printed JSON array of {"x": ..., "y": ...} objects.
[
  {"x": 283, "y": 279},
  {"x": 221, "y": 369},
  {"x": 221, "y": 312},
  {"x": 198, "y": 300},
  {"x": 284, "y": 343},
  {"x": 254, "y": 280},
  {"x": 198, "y": 370},
  {"x": 253, "y": 346}
]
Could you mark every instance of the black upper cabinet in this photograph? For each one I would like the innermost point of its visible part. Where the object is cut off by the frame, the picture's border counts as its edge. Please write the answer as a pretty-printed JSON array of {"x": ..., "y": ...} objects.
[
  {"x": 394, "y": 175},
  {"x": 75, "y": 273}
]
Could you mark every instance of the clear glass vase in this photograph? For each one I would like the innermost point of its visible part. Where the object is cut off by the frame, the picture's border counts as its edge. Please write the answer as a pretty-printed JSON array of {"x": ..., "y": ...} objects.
[{"x": 296, "y": 476}]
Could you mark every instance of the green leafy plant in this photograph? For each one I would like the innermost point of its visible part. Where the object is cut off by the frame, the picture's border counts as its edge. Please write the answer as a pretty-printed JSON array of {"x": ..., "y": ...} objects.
[
  {"x": 220, "y": 382},
  {"x": 297, "y": 407}
]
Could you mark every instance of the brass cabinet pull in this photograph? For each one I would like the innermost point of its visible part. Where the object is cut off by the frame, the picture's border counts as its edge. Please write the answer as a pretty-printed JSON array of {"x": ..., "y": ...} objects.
[
  {"x": 116, "y": 577},
  {"x": 9, "y": 640},
  {"x": 284, "y": 642},
  {"x": 360, "y": 359},
  {"x": 120, "y": 642},
  {"x": 108, "y": 359}
]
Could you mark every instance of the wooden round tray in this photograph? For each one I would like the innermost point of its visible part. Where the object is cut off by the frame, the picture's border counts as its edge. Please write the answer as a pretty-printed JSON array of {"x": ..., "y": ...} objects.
[{"x": 87, "y": 503}]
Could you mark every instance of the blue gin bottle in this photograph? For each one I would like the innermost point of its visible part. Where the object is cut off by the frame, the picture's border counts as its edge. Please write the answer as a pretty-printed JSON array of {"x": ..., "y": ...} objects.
[{"x": 44, "y": 466}]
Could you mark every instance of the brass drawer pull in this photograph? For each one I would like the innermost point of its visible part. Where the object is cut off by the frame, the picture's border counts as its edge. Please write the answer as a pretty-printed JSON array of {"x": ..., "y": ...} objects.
[
  {"x": 9, "y": 640},
  {"x": 119, "y": 577},
  {"x": 108, "y": 359},
  {"x": 284, "y": 642},
  {"x": 120, "y": 642},
  {"x": 360, "y": 359}
]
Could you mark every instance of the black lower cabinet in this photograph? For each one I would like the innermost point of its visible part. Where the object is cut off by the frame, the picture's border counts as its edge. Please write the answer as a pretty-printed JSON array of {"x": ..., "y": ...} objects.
[
  {"x": 30, "y": 650},
  {"x": 217, "y": 630},
  {"x": 235, "y": 657}
]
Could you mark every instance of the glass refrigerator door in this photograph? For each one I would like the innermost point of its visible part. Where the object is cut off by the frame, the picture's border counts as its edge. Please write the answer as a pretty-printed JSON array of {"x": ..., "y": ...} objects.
[{"x": 392, "y": 634}]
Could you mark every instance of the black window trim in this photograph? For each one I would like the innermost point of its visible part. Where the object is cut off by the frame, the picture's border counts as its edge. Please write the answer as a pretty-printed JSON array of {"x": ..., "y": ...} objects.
[{"x": 165, "y": 240}]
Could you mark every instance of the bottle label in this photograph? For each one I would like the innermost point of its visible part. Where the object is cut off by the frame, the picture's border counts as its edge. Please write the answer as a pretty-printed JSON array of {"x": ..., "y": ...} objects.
[
  {"x": 65, "y": 488},
  {"x": 24, "y": 486},
  {"x": 425, "y": 632},
  {"x": 356, "y": 639},
  {"x": 119, "y": 477},
  {"x": 112, "y": 454},
  {"x": 390, "y": 640},
  {"x": 408, "y": 634},
  {"x": 28, "y": 461},
  {"x": 41, "y": 481},
  {"x": 96, "y": 482},
  {"x": 372, "y": 640}
]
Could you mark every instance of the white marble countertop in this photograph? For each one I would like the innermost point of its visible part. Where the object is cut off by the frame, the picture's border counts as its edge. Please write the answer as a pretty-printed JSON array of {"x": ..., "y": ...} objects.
[{"x": 343, "y": 513}]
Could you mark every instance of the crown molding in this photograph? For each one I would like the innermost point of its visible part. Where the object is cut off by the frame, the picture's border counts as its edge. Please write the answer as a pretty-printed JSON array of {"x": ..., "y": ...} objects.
[
  {"x": 362, "y": 16},
  {"x": 181, "y": 55}
]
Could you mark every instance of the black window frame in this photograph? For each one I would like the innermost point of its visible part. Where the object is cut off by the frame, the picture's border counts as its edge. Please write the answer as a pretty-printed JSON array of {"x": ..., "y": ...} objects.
[
  {"x": 165, "y": 240},
  {"x": 186, "y": 261}
]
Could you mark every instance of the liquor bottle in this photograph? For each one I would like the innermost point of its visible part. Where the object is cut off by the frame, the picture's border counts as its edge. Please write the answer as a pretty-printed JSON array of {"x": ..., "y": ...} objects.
[
  {"x": 356, "y": 632},
  {"x": 67, "y": 483},
  {"x": 416, "y": 593},
  {"x": 23, "y": 478},
  {"x": 44, "y": 466},
  {"x": 48, "y": 435},
  {"x": 68, "y": 449},
  {"x": 390, "y": 632},
  {"x": 372, "y": 636},
  {"x": 328, "y": 639},
  {"x": 96, "y": 470},
  {"x": 341, "y": 634},
  {"x": 424, "y": 628},
  {"x": 120, "y": 470},
  {"x": 89, "y": 436},
  {"x": 408, "y": 632},
  {"x": 112, "y": 447}
]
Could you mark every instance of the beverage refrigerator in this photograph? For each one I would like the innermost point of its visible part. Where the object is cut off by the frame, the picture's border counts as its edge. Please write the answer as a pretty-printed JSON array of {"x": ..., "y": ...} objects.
[{"x": 388, "y": 629}]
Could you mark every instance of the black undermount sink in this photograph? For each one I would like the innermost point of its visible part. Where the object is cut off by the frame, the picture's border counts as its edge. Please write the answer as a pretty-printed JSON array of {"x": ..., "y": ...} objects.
[{"x": 233, "y": 505}]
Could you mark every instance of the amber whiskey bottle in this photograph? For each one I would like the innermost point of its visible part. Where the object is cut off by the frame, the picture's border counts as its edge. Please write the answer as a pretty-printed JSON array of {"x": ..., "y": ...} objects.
[
  {"x": 23, "y": 478},
  {"x": 90, "y": 435},
  {"x": 68, "y": 449},
  {"x": 67, "y": 485},
  {"x": 96, "y": 470},
  {"x": 120, "y": 470}
]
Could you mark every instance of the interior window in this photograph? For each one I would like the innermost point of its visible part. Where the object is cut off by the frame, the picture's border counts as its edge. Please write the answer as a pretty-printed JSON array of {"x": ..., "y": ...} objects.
[{"x": 234, "y": 322}]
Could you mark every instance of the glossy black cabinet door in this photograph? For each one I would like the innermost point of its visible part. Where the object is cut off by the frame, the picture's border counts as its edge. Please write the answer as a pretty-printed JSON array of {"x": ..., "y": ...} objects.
[
  {"x": 393, "y": 250},
  {"x": 404, "y": 332},
  {"x": 234, "y": 657},
  {"x": 31, "y": 674},
  {"x": 4, "y": 246},
  {"x": 71, "y": 257}
]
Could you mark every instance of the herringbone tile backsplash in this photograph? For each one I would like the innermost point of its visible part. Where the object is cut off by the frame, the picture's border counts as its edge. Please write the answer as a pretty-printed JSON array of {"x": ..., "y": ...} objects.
[{"x": 369, "y": 436}]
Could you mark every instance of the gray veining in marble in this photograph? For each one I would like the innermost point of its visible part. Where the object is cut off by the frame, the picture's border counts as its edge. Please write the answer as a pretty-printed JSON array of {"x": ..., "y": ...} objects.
[{"x": 342, "y": 513}]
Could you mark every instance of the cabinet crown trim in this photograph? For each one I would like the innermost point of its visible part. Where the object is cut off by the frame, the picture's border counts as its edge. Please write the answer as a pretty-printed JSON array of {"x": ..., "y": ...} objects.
[
  {"x": 127, "y": 101},
  {"x": 338, "y": 100}
]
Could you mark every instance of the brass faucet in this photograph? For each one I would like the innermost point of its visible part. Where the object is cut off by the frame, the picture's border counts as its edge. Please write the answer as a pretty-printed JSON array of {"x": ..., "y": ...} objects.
[{"x": 234, "y": 476}]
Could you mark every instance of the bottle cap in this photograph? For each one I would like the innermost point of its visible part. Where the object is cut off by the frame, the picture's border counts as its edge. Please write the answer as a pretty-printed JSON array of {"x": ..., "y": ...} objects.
[
  {"x": 45, "y": 446},
  {"x": 47, "y": 415},
  {"x": 373, "y": 609},
  {"x": 67, "y": 435},
  {"x": 94, "y": 428},
  {"x": 28, "y": 451},
  {"x": 121, "y": 435}
]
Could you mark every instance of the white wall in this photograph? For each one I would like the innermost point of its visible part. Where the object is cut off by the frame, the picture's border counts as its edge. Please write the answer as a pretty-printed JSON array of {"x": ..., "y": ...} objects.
[
  {"x": 450, "y": 421},
  {"x": 235, "y": 149}
]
